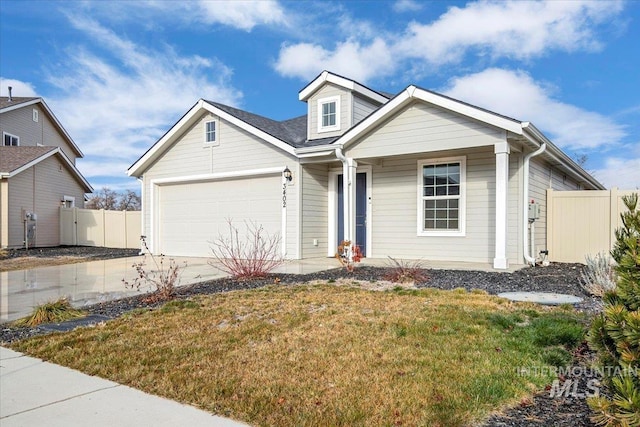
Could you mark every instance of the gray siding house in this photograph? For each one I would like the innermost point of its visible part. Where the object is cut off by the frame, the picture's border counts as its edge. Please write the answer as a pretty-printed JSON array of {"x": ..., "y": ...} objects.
[
  {"x": 417, "y": 175},
  {"x": 38, "y": 173}
]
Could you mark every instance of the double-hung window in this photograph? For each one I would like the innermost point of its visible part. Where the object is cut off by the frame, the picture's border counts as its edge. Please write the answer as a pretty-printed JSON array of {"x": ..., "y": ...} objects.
[
  {"x": 10, "y": 140},
  {"x": 329, "y": 114},
  {"x": 441, "y": 197},
  {"x": 210, "y": 132}
]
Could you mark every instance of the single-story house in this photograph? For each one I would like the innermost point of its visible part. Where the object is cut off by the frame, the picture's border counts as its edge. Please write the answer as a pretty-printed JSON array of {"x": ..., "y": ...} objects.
[
  {"x": 418, "y": 175},
  {"x": 38, "y": 173}
]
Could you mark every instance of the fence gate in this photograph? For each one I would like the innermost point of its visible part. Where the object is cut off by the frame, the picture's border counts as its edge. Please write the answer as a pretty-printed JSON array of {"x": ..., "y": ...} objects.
[{"x": 89, "y": 227}]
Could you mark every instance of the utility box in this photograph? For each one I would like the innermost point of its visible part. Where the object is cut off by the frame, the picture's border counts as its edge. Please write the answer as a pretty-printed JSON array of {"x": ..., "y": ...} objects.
[
  {"x": 534, "y": 211},
  {"x": 30, "y": 219}
]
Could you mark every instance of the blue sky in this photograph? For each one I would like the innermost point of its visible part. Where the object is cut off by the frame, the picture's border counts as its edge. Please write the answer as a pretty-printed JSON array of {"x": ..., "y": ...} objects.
[{"x": 119, "y": 74}]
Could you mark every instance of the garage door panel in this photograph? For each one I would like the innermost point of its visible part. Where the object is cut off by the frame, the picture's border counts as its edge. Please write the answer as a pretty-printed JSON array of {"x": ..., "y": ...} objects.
[{"x": 192, "y": 215}]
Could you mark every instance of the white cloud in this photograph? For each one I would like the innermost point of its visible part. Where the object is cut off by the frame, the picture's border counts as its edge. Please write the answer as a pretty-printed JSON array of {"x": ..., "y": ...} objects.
[
  {"x": 18, "y": 88},
  {"x": 516, "y": 94},
  {"x": 401, "y": 6},
  {"x": 117, "y": 107},
  {"x": 359, "y": 62},
  {"x": 100, "y": 166},
  {"x": 511, "y": 29},
  {"x": 243, "y": 14},
  {"x": 623, "y": 173},
  {"x": 238, "y": 14}
]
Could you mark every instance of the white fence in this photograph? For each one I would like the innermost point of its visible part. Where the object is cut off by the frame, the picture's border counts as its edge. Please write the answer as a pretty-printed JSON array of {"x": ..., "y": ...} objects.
[
  {"x": 110, "y": 229},
  {"x": 581, "y": 223}
]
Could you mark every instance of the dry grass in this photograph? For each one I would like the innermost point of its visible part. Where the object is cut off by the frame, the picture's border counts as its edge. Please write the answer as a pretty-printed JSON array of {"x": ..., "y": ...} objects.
[
  {"x": 51, "y": 312},
  {"x": 319, "y": 355}
]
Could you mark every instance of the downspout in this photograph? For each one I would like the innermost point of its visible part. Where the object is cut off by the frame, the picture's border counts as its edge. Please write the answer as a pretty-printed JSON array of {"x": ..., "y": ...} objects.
[{"x": 525, "y": 206}]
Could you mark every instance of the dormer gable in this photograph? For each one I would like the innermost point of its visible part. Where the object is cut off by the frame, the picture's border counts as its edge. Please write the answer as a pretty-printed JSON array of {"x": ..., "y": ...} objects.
[{"x": 335, "y": 104}]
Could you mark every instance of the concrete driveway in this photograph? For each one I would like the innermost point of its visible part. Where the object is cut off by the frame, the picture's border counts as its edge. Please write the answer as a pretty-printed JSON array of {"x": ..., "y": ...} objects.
[{"x": 96, "y": 281}]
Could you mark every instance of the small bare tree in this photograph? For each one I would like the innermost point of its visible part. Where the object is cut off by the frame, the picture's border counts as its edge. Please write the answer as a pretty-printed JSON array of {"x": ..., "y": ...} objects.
[
  {"x": 129, "y": 201},
  {"x": 162, "y": 280},
  {"x": 110, "y": 200},
  {"x": 253, "y": 255},
  {"x": 105, "y": 198}
]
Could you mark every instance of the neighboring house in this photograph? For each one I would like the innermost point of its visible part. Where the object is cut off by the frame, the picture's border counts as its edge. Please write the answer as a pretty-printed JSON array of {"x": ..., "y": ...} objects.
[
  {"x": 37, "y": 173},
  {"x": 416, "y": 175}
]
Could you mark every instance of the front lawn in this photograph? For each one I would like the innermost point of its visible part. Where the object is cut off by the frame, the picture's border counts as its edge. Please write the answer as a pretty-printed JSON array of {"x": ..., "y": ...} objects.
[{"x": 328, "y": 355}]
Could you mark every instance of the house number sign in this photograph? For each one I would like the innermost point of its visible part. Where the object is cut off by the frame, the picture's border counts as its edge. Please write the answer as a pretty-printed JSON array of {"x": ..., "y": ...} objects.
[{"x": 284, "y": 195}]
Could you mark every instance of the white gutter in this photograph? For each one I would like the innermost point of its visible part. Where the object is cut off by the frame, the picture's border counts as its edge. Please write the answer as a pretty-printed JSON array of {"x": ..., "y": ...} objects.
[{"x": 525, "y": 206}]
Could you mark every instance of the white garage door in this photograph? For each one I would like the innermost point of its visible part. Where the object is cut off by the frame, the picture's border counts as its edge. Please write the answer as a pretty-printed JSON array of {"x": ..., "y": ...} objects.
[{"x": 192, "y": 215}]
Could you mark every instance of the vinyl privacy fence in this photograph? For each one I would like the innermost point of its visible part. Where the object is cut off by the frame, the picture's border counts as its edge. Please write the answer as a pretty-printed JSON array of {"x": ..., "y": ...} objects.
[
  {"x": 110, "y": 229},
  {"x": 581, "y": 223}
]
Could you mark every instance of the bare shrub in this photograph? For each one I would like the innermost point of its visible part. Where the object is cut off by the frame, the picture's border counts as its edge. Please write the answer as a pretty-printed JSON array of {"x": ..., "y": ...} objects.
[
  {"x": 252, "y": 256},
  {"x": 162, "y": 280},
  {"x": 403, "y": 271},
  {"x": 599, "y": 276}
]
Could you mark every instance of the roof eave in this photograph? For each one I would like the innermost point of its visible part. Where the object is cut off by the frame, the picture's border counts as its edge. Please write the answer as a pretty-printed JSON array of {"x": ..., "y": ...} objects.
[
  {"x": 138, "y": 168},
  {"x": 412, "y": 93},
  {"x": 352, "y": 85},
  {"x": 569, "y": 164},
  {"x": 67, "y": 161},
  {"x": 48, "y": 110}
]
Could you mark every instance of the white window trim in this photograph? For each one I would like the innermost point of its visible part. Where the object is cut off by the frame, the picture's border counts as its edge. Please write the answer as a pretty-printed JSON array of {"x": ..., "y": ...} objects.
[
  {"x": 11, "y": 135},
  {"x": 328, "y": 100},
  {"x": 462, "y": 198},
  {"x": 70, "y": 199},
  {"x": 35, "y": 115},
  {"x": 216, "y": 141}
]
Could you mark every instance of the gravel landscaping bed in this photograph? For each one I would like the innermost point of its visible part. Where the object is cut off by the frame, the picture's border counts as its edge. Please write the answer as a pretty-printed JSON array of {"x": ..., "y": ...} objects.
[
  {"x": 542, "y": 410},
  {"x": 93, "y": 253}
]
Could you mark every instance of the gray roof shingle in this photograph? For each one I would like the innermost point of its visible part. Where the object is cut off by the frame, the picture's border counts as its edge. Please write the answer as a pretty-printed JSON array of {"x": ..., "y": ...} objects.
[
  {"x": 15, "y": 100},
  {"x": 292, "y": 131},
  {"x": 12, "y": 158}
]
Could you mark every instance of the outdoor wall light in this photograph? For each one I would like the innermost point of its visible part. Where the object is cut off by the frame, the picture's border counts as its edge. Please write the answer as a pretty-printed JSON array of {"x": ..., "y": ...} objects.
[{"x": 287, "y": 174}]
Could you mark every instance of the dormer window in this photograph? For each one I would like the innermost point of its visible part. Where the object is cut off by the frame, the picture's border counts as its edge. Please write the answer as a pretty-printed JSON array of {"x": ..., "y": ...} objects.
[{"x": 329, "y": 114}]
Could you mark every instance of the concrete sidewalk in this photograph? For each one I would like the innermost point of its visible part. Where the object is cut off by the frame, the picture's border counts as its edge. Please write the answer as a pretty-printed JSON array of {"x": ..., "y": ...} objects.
[{"x": 37, "y": 393}]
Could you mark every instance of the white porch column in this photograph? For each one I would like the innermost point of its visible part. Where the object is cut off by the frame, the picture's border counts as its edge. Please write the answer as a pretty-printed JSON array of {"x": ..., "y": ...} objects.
[
  {"x": 502, "y": 190},
  {"x": 349, "y": 180}
]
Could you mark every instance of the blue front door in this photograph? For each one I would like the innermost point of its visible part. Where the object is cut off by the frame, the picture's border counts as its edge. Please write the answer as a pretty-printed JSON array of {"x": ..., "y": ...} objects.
[{"x": 361, "y": 211}]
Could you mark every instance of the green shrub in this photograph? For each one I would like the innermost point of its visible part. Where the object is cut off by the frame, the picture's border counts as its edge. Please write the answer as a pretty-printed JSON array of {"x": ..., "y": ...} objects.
[{"x": 615, "y": 334}]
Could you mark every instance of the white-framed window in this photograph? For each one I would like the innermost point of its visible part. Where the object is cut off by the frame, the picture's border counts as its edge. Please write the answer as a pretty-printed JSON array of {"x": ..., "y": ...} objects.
[
  {"x": 10, "y": 140},
  {"x": 211, "y": 132},
  {"x": 36, "y": 115},
  {"x": 441, "y": 197},
  {"x": 68, "y": 202},
  {"x": 329, "y": 114}
]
